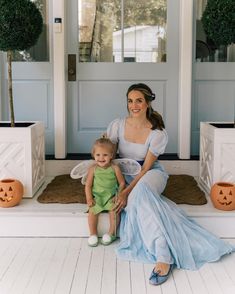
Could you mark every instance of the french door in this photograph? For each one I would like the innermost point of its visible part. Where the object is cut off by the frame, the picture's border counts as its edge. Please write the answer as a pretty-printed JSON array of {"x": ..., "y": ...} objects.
[
  {"x": 136, "y": 49},
  {"x": 97, "y": 93}
]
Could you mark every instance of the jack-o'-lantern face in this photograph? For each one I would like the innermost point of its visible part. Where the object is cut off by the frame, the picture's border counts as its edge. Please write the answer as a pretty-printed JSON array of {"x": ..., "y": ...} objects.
[
  {"x": 224, "y": 199},
  {"x": 11, "y": 192},
  {"x": 6, "y": 196},
  {"x": 223, "y": 196}
]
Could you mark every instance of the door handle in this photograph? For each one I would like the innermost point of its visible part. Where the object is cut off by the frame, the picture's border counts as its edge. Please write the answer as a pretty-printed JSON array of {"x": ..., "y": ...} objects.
[{"x": 72, "y": 73}]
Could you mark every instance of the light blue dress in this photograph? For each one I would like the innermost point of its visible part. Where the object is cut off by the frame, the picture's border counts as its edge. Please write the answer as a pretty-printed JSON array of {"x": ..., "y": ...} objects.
[{"x": 153, "y": 228}]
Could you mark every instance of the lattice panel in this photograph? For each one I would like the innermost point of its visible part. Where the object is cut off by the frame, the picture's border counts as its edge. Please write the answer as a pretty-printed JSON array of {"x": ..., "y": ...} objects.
[
  {"x": 38, "y": 163},
  {"x": 206, "y": 161},
  {"x": 12, "y": 163},
  {"x": 227, "y": 163}
]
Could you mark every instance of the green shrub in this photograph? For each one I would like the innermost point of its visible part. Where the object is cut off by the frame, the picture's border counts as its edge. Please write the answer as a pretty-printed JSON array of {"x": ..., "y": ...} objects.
[
  {"x": 218, "y": 21},
  {"x": 21, "y": 24}
]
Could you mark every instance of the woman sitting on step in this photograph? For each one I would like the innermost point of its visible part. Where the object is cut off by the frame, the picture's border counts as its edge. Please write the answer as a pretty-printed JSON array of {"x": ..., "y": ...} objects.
[{"x": 153, "y": 229}]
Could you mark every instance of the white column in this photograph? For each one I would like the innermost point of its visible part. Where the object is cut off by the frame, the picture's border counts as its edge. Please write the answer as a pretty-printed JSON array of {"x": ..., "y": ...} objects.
[
  {"x": 185, "y": 77},
  {"x": 60, "y": 105}
]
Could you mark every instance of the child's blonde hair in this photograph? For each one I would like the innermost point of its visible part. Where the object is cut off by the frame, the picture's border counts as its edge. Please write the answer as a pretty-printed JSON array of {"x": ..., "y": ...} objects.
[{"x": 103, "y": 142}]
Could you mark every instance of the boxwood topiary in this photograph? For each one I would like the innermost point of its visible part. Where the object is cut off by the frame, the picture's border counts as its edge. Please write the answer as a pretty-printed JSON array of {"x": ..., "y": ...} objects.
[
  {"x": 218, "y": 21},
  {"x": 21, "y": 24}
]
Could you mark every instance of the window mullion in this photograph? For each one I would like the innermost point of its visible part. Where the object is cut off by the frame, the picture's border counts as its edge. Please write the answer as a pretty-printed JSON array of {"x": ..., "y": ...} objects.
[{"x": 122, "y": 27}]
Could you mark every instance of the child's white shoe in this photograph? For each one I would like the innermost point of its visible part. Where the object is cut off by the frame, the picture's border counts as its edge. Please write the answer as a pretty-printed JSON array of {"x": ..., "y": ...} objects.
[
  {"x": 108, "y": 239},
  {"x": 93, "y": 241}
]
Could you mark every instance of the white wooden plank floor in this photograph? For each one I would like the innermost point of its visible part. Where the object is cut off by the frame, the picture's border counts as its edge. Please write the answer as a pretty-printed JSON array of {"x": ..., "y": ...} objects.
[{"x": 69, "y": 266}]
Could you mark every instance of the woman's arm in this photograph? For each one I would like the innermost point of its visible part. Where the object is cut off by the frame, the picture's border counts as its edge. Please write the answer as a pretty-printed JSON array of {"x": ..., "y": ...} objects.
[
  {"x": 123, "y": 195},
  {"x": 88, "y": 187}
]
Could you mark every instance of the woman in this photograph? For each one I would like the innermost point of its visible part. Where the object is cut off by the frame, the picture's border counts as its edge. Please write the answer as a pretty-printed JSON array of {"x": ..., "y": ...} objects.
[{"x": 154, "y": 229}]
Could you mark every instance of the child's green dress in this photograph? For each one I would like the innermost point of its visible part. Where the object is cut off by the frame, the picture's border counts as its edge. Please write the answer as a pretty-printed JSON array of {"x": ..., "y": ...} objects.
[{"x": 104, "y": 188}]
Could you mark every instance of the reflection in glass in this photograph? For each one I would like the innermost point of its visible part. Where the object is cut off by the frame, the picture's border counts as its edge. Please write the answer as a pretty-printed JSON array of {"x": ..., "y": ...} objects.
[
  {"x": 122, "y": 31},
  {"x": 206, "y": 50},
  {"x": 40, "y": 51}
]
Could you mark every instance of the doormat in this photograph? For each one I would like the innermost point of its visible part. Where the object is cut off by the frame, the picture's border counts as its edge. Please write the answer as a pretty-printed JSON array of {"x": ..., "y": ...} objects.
[{"x": 182, "y": 189}]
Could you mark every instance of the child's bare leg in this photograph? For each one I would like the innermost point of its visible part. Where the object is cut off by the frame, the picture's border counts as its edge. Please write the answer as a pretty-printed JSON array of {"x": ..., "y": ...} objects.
[
  {"x": 113, "y": 222},
  {"x": 92, "y": 222}
]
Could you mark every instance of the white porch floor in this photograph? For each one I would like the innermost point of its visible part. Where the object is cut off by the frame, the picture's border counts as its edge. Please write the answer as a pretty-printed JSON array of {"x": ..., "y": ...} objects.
[{"x": 69, "y": 266}]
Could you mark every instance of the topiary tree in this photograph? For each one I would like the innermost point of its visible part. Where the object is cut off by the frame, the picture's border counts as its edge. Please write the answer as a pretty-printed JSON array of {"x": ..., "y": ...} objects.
[
  {"x": 21, "y": 24},
  {"x": 218, "y": 21}
]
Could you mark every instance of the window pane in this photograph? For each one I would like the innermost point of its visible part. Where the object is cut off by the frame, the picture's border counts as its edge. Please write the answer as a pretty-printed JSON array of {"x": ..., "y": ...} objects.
[
  {"x": 206, "y": 50},
  {"x": 141, "y": 38},
  {"x": 40, "y": 51},
  {"x": 98, "y": 20},
  {"x": 145, "y": 30}
]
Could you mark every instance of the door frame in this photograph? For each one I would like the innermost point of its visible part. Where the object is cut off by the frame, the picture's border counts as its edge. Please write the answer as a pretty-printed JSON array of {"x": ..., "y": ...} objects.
[
  {"x": 59, "y": 78},
  {"x": 184, "y": 84}
]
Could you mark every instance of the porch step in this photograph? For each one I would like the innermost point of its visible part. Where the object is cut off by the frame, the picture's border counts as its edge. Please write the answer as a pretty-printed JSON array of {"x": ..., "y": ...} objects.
[{"x": 33, "y": 219}]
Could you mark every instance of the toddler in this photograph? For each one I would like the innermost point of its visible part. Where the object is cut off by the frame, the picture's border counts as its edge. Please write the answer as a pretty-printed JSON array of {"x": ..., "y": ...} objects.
[{"x": 104, "y": 180}]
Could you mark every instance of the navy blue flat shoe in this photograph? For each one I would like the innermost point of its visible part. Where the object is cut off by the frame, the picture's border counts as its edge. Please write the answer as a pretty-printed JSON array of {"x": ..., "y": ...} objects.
[{"x": 155, "y": 279}]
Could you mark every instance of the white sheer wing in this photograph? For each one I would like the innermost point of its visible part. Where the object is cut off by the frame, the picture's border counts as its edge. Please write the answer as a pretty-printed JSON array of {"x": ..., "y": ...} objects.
[
  {"x": 128, "y": 167},
  {"x": 81, "y": 169}
]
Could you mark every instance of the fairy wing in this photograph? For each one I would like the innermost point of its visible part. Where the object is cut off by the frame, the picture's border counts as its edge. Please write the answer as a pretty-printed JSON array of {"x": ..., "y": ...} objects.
[
  {"x": 81, "y": 169},
  {"x": 128, "y": 167}
]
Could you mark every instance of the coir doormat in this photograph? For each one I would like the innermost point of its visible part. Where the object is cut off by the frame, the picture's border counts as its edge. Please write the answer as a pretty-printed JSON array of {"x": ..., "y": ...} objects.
[{"x": 182, "y": 189}]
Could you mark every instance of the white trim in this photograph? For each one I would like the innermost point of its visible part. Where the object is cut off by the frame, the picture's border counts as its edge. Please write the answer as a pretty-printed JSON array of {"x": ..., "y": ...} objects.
[
  {"x": 185, "y": 78},
  {"x": 60, "y": 105},
  {"x": 1, "y": 80}
]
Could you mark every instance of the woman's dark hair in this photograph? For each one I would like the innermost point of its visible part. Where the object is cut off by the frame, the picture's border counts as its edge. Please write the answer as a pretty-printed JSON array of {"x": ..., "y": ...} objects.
[{"x": 152, "y": 115}]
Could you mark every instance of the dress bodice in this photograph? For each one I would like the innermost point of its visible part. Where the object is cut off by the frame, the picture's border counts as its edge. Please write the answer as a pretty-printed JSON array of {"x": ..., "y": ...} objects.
[{"x": 155, "y": 142}]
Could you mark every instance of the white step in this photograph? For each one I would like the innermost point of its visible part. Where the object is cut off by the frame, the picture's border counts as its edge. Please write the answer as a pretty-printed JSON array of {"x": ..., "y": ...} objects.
[{"x": 32, "y": 218}]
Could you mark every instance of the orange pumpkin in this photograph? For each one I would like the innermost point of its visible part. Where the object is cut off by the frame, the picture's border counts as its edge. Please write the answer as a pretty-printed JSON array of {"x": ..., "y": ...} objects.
[
  {"x": 223, "y": 196},
  {"x": 11, "y": 192}
]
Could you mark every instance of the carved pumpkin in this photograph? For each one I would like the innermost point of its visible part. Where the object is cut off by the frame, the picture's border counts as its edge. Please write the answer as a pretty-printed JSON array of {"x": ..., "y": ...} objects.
[
  {"x": 223, "y": 196},
  {"x": 11, "y": 192}
]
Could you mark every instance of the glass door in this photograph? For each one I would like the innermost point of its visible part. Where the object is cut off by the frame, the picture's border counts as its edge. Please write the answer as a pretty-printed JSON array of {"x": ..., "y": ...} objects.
[{"x": 115, "y": 43}]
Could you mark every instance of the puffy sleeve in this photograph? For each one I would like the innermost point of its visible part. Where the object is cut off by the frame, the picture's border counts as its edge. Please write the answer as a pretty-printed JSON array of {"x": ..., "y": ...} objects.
[
  {"x": 158, "y": 142},
  {"x": 113, "y": 130}
]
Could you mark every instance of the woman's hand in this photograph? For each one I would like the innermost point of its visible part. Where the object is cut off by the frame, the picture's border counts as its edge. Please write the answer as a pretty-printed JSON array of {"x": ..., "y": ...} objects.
[{"x": 121, "y": 201}]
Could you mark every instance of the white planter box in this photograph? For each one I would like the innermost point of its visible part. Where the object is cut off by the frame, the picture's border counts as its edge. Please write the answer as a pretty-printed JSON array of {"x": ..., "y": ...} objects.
[
  {"x": 217, "y": 155},
  {"x": 22, "y": 156}
]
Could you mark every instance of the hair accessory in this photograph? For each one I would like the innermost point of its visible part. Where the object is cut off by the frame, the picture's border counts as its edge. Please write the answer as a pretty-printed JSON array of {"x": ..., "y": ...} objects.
[{"x": 153, "y": 96}]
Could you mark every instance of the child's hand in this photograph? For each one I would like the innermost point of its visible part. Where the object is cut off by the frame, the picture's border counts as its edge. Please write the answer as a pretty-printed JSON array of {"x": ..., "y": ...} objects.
[{"x": 91, "y": 202}]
